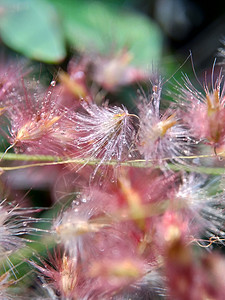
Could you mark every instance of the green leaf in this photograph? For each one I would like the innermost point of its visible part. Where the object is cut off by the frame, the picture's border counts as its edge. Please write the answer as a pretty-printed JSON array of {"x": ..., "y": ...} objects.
[
  {"x": 105, "y": 29},
  {"x": 32, "y": 28}
]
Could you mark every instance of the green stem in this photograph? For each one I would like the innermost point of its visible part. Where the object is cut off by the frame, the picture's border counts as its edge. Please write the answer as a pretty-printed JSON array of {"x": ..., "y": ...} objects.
[
  {"x": 48, "y": 160},
  {"x": 26, "y": 157}
]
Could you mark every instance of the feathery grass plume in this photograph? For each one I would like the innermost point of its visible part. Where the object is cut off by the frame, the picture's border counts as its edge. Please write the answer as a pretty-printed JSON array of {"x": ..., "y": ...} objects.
[
  {"x": 10, "y": 74},
  {"x": 203, "y": 213},
  {"x": 62, "y": 277},
  {"x": 139, "y": 197},
  {"x": 204, "y": 112},
  {"x": 104, "y": 132},
  {"x": 86, "y": 222},
  {"x": 161, "y": 134},
  {"x": 11, "y": 227},
  {"x": 15, "y": 232},
  {"x": 14, "y": 226},
  {"x": 70, "y": 278},
  {"x": 125, "y": 210},
  {"x": 113, "y": 262},
  {"x": 38, "y": 125}
]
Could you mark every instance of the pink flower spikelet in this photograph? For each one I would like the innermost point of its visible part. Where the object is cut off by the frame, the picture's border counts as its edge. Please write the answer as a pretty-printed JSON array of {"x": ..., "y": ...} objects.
[
  {"x": 13, "y": 228},
  {"x": 63, "y": 276},
  {"x": 38, "y": 124},
  {"x": 10, "y": 230},
  {"x": 205, "y": 112},
  {"x": 104, "y": 133},
  {"x": 161, "y": 136},
  {"x": 204, "y": 213}
]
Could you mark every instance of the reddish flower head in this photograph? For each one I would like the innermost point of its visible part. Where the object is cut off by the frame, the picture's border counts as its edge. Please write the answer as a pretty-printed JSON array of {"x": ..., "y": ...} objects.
[
  {"x": 205, "y": 112},
  {"x": 104, "y": 133},
  {"x": 161, "y": 135},
  {"x": 38, "y": 125}
]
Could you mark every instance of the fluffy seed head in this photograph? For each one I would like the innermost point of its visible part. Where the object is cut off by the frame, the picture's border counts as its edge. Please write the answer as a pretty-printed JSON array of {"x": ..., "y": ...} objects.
[
  {"x": 204, "y": 111},
  {"x": 161, "y": 136},
  {"x": 203, "y": 213},
  {"x": 12, "y": 228},
  {"x": 61, "y": 275},
  {"x": 105, "y": 133},
  {"x": 37, "y": 123}
]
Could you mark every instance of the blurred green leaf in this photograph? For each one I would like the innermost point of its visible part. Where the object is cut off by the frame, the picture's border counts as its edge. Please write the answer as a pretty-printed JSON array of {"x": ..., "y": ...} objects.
[
  {"x": 32, "y": 28},
  {"x": 105, "y": 29}
]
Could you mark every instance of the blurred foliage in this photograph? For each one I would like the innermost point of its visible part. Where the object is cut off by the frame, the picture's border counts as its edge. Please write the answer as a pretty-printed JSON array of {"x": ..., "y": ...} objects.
[
  {"x": 42, "y": 30},
  {"x": 33, "y": 29}
]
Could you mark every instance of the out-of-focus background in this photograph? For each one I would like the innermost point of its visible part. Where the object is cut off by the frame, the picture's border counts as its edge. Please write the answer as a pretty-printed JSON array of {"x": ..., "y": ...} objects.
[
  {"x": 49, "y": 31},
  {"x": 191, "y": 25}
]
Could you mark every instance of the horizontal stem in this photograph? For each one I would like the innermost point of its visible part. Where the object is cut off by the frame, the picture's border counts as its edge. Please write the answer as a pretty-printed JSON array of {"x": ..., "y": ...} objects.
[
  {"x": 26, "y": 157},
  {"x": 48, "y": 160}
]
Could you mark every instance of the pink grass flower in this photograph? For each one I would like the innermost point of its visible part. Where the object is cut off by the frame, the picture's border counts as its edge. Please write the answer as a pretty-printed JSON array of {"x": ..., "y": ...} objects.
[
  {"x": 204, "y": 112},
  {"x": 71, "y": 278},
  {"x": 10, "y": 231},
  {"x": 104, "y": 133},
  {"x": 15, "y": 224},
  {"x": 38, "y": 125},
  {"x": 104, "y": 244},
  {"x": 192, "y": 214},
  {"x": 161, "y": 135},
  {"x": 62, "y": 276},
  {"x": 204, "y": 213},
  {"x": 88, "y": 222}
]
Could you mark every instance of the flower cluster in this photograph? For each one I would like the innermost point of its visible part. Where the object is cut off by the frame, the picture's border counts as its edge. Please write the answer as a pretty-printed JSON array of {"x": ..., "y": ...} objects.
[
  {"x": 15, "y": 227},
  {"x": 135, "y": 197}
]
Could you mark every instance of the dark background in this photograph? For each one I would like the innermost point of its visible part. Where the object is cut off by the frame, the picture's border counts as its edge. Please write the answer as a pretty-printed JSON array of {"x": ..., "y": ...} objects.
[{"x": 198, "y": 26}]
